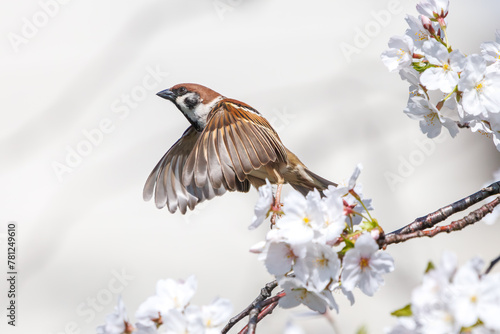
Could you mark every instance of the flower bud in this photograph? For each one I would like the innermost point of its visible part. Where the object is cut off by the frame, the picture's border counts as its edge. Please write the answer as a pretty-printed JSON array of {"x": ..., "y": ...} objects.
[{"x": 426, "y": 22}]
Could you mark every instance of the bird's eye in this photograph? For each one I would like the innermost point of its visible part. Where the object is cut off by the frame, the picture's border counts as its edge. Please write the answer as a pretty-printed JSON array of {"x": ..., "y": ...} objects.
[{"x": 181, "y": 91}]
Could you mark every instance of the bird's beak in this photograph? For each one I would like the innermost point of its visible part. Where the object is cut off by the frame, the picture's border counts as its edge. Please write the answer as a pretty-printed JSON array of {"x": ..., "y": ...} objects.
[{"x": 167, "y": 94}]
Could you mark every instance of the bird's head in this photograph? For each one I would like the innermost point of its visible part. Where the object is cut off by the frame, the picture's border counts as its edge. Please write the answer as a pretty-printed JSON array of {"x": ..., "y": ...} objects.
[{"x": 194, "y": 101}]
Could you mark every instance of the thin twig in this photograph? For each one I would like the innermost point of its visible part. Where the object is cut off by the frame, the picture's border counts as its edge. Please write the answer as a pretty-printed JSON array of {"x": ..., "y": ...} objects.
[
  {"x": 267, "y": 307},
  {"x": 252, "y": 322},
  {"x": 492, "y": 264},
  {"x": 440, "y": 215},
  {"x": 265, "y": 293},
  {"x": 458, "y": 225},
  {"x": 267, "y": 310},
  {"x": 273, "y": 299}
]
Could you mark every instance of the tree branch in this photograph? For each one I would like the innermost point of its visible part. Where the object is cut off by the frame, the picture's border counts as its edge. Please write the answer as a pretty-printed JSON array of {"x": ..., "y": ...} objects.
[
  {"x": 440, "y": 215},
  {"x": 267, "y": 307},
  {"x": 420, "y": 227},
  {"x": 458, "y": 225},
  {"x": 265, "y": 293}
]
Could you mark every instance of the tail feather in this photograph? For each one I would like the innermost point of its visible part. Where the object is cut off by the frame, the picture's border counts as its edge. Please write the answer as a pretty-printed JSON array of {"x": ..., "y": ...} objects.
[
  {"x": 322, "y": 182},
  {"x": 319, "y": 183}
]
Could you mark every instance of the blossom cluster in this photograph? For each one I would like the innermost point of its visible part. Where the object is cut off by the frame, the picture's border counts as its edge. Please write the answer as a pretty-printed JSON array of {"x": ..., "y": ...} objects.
[
  {"x": 447, "y": 88},
  {"x": 321, "y": 243},
  {"x": 452, "y": 300},
  {"x": 169, "y": 311}
]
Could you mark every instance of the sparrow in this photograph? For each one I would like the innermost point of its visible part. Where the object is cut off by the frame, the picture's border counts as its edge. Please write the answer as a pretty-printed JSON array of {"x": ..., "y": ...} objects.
[{"x": 228, "y": 147}]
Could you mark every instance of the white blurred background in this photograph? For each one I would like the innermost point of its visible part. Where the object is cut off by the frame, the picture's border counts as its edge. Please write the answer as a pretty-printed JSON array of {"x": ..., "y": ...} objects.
[{"x": 89, "y": 65}]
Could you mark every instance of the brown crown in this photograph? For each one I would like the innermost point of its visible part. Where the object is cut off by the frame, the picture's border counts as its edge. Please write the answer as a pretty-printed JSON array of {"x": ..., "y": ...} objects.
[{"x": 205, "y": 93}]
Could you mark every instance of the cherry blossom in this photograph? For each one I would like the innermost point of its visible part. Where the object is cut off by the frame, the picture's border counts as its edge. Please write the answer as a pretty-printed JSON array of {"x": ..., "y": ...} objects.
[
  {"x": 433, "y": 9},
  {"x": 116, "y": 322},
  {"x": 215, "y": 315},
  {"x": 321, "y": 265},
  {"x": 416, "y": 31},
  {"x": 187, "y": 322},
  {"x": 296, "y": 293},
  {"x": 364, "y": 265},
  {"x": 303, "y": 250},
  {"x": 400, "y": 53},
  {"x": 169, "y": 294},
  {"x": 444, "y": 74},
  {"x": 480, "y": 88},
  {"x": 450, "y": 300},
  {"x": 442, "y": 77},
  {"x": 263, "y": 205},
  {"x": 476, "y": 298},
  {"x": 431, "y": 120},
  {"x": 491, "y": 50}
]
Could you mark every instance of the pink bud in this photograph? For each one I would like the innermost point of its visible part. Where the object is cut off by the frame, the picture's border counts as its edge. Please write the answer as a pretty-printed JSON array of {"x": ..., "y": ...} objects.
[{"x": 426, "y": 22}]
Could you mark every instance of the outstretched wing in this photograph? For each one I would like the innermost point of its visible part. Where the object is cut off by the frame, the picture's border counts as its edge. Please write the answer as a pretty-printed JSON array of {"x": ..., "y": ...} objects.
[
  {"x": 165, "y": 179},
  {"x": 236, "y": 141}
]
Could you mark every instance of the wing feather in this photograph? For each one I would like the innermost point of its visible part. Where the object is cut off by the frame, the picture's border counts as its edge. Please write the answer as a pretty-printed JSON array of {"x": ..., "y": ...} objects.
[
  {"x": 241, "y": 152},
  {"x": 189, "y": 167},
  {"x": 258, "y": 143},
  {"x": 201, "y": 165},
  {"x": 232, "y": 152},
  {"x": 160, "y": 190},
  {"x": 148, "y": 191},
  {"x": 225, "y": 159},
  {"x": 271, "y": 146},
  {"x": 215, "y": 169},
  {"x": 249, "y": 145},
  {"x": 235, "y": 141},
  {"x": 171, "y": 195},
  {"x": 180, "y": 195},
  {"x": 201, "y": 162},
  {"x": 165, "y": 181}
]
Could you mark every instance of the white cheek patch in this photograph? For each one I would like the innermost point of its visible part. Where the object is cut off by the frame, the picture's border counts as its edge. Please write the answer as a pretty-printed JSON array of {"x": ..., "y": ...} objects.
[
  {"x": 181, "y": 100},
  {"x": 199, "y": 114}
]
